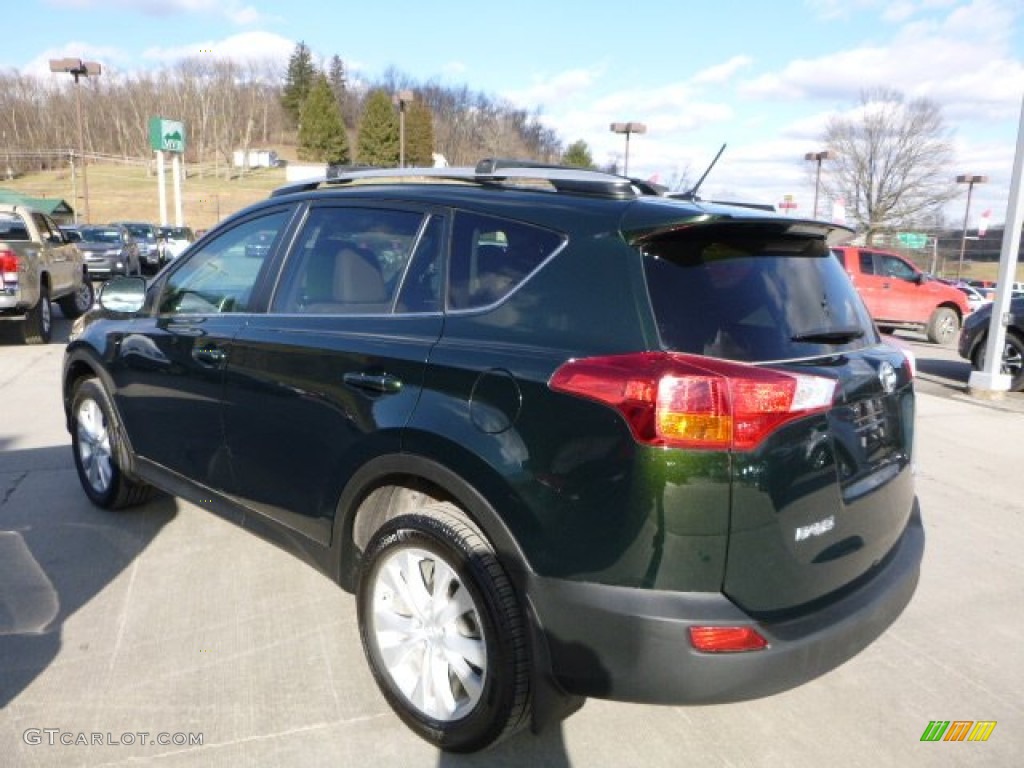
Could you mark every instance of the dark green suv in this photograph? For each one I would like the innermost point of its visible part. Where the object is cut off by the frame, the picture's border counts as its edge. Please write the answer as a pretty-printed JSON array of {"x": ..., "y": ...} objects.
[{"x": 561, "y": 436}]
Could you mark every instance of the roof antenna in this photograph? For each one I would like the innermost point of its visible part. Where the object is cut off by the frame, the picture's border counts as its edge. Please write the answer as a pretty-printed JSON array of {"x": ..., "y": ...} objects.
[{"x": 692, "y": 194}]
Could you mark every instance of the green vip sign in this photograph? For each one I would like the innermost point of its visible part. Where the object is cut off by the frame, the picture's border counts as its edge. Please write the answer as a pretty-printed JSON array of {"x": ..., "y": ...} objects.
[
  {"x": 912, "y": 239},
  {"x": 166, "y": 135}
]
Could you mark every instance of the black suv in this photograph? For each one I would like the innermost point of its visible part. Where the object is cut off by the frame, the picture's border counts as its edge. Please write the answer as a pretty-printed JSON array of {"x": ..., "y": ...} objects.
[{"x": 561, "y": 436}]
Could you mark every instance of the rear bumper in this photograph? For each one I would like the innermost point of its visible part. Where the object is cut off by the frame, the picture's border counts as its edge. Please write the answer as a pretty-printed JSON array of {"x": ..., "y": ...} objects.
[{"x": 633, "y": 645}]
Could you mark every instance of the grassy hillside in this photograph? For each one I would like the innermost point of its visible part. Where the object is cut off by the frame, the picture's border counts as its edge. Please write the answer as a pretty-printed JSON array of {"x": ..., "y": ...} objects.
[{"x": 130, "y": 192}]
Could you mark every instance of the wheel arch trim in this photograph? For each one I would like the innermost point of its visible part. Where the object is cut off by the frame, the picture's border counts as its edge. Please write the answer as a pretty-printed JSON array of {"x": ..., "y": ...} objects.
[{"x": 386, "y": 470}]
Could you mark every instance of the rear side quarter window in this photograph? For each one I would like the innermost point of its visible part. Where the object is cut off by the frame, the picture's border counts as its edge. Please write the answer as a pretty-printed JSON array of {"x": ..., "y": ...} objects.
[{"x": 491, "y": 257}]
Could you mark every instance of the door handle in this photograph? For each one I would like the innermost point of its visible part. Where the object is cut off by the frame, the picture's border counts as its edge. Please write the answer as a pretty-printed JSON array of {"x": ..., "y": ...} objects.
[{"x": 375, "y": 382}]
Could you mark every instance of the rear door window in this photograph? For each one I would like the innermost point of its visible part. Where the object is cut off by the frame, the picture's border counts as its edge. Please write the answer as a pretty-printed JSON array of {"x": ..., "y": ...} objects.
[
  {"x": 753, "y": 295},
  {"x": 355, "y": 260}
]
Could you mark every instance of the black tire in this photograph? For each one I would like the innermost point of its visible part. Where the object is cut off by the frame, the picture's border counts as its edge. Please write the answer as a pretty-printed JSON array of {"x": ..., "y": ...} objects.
[
  {"x": 1013, "y": 359},
  {"x": 78, "y": 303},
  {"x": 943, "y": 326},
  {"x": 98, "y": 449},
  {"x": 37, "y": 327},
  {"x": 465, "y": 635}
]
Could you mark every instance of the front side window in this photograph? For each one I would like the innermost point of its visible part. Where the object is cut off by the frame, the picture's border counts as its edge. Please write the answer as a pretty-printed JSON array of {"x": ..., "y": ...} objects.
[
  {"x": 46, "y": 227},
  {"x": 349, "y": 261},
  {"x": 221, "y": 276},
  {"x": 753, "y": 296},
  {"x": 894, "y": 267}
]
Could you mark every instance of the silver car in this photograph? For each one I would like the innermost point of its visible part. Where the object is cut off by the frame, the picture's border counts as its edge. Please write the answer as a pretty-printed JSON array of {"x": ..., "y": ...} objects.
[
  {"x": 109, "y": 250},
  {"x": 146, "y": 239}
]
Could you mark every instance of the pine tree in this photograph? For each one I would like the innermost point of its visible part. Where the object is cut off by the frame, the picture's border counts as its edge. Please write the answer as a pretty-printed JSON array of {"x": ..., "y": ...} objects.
[
  {"x": 321, "y": 130},
  {"x": 419, "y": 135},
  {"x": 378, "y": 131},
  {"x": 339, "y": 82},
  {"x": 578, "y": 155},
  {"x": 298, "y": 81}
]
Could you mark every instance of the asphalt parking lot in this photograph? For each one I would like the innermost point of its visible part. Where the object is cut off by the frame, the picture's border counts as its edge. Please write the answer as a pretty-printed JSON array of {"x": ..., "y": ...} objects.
[{"x": 126, "y": 638}]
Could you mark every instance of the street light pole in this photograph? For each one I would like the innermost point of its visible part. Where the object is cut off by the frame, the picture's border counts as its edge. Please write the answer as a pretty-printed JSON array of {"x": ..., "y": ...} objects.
[
  {"x": 627, "y": 128},
  {"x": 970, "y": 181},
  {"x": 78, "y": 68},
  {"x": 817, "y": 157},
  {"x": 401, "y": 99}
]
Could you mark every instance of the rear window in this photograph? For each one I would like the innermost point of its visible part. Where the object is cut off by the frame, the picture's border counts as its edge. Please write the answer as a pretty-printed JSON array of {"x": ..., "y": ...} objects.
[
  {"x": 753, "y": 295},
  {"x": 100, "y": 235},
  {"x": 12, "y": 228}
]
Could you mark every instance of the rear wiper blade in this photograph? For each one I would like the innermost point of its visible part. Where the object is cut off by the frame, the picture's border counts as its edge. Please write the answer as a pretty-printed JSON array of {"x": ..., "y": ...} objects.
[{"x": 830, "y": 335}]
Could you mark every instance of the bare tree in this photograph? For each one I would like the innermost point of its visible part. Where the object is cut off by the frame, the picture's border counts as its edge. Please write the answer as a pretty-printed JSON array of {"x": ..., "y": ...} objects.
[{"x": 890, "y": 161}]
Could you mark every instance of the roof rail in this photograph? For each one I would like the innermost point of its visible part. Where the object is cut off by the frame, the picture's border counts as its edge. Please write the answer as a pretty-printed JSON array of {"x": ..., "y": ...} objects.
[{"x": 501, "y": 171}]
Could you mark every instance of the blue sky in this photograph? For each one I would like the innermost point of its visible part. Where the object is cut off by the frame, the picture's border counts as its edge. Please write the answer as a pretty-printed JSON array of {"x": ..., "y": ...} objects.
[{"x": 762, "y": 77}]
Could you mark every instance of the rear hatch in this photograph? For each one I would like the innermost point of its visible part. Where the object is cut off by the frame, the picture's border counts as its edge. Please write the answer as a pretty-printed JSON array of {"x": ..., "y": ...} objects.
[{"x": 819, "y": 499}]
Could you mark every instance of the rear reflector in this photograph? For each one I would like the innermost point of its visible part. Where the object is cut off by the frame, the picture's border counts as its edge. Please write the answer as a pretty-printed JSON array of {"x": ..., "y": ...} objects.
[
  {"x": 687, "y": 401},
  {"x": 909, "y": 358},
  {"x": 726, "y": 639}
]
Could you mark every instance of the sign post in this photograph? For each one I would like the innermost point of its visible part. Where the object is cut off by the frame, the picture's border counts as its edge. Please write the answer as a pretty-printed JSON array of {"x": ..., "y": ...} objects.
[{"x": 168, "y": 136}]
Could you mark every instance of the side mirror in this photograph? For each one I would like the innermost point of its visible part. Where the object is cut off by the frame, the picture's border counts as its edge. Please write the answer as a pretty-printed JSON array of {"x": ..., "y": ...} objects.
[{"x": 126, "y": 295}]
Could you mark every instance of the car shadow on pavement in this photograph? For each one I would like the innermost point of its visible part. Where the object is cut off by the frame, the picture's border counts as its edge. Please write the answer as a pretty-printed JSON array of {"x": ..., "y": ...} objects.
[
  {"x": 953, "y": 371},
  {"x": 544, "y": 749},
  {"x": 10, "y": 332},
  {"x": 57, "y": 552}
]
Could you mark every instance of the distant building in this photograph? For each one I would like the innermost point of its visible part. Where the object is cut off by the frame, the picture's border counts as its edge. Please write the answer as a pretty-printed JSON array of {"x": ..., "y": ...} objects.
[
  {"x": 305, "y": 171},
  {"x": 54, "y": 207},
  {"x": 256, "y": 158}
]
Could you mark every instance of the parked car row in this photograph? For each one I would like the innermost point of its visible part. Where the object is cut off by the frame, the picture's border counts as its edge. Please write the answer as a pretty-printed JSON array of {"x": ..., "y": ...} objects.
[{"x": 128, "y": 247}]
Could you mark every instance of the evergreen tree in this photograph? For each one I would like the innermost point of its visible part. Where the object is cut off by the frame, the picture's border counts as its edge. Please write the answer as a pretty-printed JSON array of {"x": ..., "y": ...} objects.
[
  {"x": 338, "y": 80},
  {"x": 419, "y": 135},
  {"x": 578, "y": 155},
  {"x": 321, "y": 130},
  {"x": 378, "y": 131},
  {"x": 298, "y": 81}
]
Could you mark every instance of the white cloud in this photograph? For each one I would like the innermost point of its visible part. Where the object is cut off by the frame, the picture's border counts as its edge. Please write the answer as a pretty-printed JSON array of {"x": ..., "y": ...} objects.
[
  {"x": 720, "y": 73},
  {"x": 244, "y": 47},
  {"x": 454, "y": 68},
  {"x": 556, "y": 89}
]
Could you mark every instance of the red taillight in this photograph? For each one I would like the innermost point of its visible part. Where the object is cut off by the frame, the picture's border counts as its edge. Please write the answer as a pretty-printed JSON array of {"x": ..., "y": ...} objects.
[
  {"x": 8, "y": 265},
  {"x": 687, "y": 401},
  {"x": 726, "y": 639}
]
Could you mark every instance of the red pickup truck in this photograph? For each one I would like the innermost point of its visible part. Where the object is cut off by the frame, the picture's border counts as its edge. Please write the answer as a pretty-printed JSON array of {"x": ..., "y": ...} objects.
[{"x": 899, "y": 295}]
